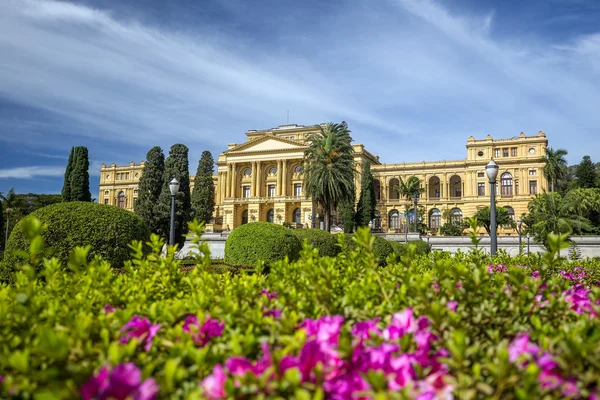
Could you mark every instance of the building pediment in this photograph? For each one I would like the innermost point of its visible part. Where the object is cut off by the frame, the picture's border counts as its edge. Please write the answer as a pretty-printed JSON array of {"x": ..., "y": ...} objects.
[{"x": 266, "y": 143}]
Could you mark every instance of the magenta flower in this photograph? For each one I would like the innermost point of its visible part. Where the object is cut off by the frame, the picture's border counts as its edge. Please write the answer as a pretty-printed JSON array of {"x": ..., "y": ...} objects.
[
  {"x": 123, "y": 382},
  {"x": 325, "y": 330},
  {"x": 570, "y": 389},
  {"x": 275, "y": 313},
  {"x": 402, "y": 323},
  {"x": 214, "y": 384},
  {"x": 497, "y": 268},
  {"x": 535, "y": 274},
  {"x": 364, "y": 329},
  {"x": 520, "y": 346},
  {"x": 549, "y": 380},
  {"x": 436, "y": 287},
  {"x": 202, "y": 334},
  {"x": 108, "y": 309},
  {"x": 270, "y": 296},
  {"x": 141, "y": 329},
  {"x": 578, "y": 298},
  {"x": 451, "y": 305}
]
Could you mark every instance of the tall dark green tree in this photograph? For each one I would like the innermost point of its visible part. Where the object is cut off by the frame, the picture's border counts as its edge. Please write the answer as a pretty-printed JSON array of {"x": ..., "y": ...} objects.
[
  {"x": 66, "y": 190},
  {"x": 79, "y": 178},
  {"x": 329, "y": 168},
  {"x": 176, "y": 166},
  {"x": 149, "y": 190},
  {"x": 586, "y": 173},
  {"x": 203, "y": 196},
  {"x": 348, "y": 214},
  {"x": 365, "y": 210}
]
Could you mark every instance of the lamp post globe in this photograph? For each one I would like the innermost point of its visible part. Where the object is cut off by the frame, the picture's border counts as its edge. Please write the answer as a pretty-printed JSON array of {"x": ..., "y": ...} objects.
[
  {"x": 174, "y": 188},
  {"x": 492, "y": 173}
]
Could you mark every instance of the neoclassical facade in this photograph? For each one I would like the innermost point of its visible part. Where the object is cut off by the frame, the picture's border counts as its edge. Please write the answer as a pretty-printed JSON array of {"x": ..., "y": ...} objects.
[{"x": 261, "y": 180}]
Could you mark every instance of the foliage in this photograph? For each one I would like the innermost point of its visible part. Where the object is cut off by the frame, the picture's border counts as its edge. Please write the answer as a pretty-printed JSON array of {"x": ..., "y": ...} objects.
[
  {"x": 79, "y": 177},
  {"x": 586, "y": 173},
  {"x": 555, "y": 167},
  {"x": 66, "y": 189},
  {"x": 452, "y": 228},
  {"x": 107, "y": 230},
  {"x": 435, "y": 326},
  {"x": 325, "y": 242},
  {"x": 255, "y": 243},
  {"x": 348, "y": 215},
  {"x": 203, "y": 195},
  {"x": 176, "y": 166},
  {"x": 365, "y": 211},
  {"x": 554, "y": 213},
  {"x": 411, "y": 190},
  {"x": 150, "y": 186},
  {"x": 483, "y": 216},
  {"x": 400, "y": 249},
  {"x": 382, "y": 249},
  {"x": 329, "y": 167}
]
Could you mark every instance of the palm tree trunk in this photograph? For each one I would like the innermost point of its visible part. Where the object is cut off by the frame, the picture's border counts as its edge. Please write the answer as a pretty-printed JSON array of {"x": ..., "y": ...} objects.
[{"x": 327, "y": 213}]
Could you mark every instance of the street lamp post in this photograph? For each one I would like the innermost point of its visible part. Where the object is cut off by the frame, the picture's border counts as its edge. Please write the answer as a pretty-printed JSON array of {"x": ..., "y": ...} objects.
[
  {"x": 528, "y": 244},
  {"x": 492, "y": 173},
  {"x": 174, "y": 188},
  {"x": 519, "y": 224}
]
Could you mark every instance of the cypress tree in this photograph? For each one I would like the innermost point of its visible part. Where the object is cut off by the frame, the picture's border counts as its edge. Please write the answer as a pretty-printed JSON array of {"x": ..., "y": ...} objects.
[
  {"x": 347, "y": 213},
  {"x": 203, "y": 196},
  {"x": 66, "y": 190},
  {"x": 79, "y": 178},
  {"x": 586, "y": 173},
  {"x": 176, "y": 166},
  {"x": 150, "y": 187},
  {"x": 366, "y": 204}
]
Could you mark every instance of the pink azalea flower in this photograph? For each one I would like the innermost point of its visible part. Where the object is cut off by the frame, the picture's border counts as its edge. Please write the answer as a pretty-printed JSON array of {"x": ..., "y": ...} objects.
[
  {"x": 549, "y": 380},
  {"x": 451, "y": 305},
  {"x": 270, "y": 296},
  {"x": 436, "y": 287},
  {"x": 364, "y": 329},
  {"x": 535, "y": 274},
  {"x": 123, "y": 382},
  {"x": 108, "y": 309},
  {"x": 141, "y": 329},
  {"x": 275, "y": 313},
  {"x": 570, "y": 389},
  {"x": 202, "y": 334},
  {"x": 325, "y": 330},
  {"x": 403, "y": 372},
  {"x": 459, "y": 285},
  {"x": 214, "y": 384},
  {"x": 521, "y": 345},
  {"x": 402, "y": 323}
]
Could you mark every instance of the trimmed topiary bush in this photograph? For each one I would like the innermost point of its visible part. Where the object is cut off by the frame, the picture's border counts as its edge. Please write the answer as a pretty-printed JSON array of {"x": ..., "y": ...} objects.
[
  {"x": 252, "y": 243},
  {"x": 421, "y": 246},
  {"x": 399, "y": 248},
  {"x": 319, "y": 239},
  {"x": 381, "y": 249},
  {"x": 107, "y": 229}
]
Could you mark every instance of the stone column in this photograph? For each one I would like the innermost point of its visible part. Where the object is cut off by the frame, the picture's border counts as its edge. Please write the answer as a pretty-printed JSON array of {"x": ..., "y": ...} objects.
[
  {"x": 228, "y": 182},
  {"x": 233, "y": 181},
  {"x": 253, "y": 180},
  {"x": 284, "y": 179},
  {"x": 279, "y": 175},
  {"x": 258, "y": 179}
]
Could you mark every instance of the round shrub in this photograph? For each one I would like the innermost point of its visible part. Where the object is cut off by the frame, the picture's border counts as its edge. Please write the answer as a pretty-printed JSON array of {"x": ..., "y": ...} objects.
[
  {"x": 249, "y": 244},
  {"x": 381, "y": 249},
  {"x": 319, "y": 239},
  {"x": 107, "y": 229},
  {"x": 399, "y": 248},
  {"x": 421, "y": 246}
]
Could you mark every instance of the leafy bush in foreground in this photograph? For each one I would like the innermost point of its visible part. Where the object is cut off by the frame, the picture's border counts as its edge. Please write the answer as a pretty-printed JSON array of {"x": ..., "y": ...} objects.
[
  {"x": 108, "y": 230},
  {"x": 427, "y": 327},
  {"x": 250, "y": 244},
  {"x": 319, "y": 239}
]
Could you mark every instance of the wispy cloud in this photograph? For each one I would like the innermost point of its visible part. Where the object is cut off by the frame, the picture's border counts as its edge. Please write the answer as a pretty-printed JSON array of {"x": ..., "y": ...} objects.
[{"x": 31, "y": 172}]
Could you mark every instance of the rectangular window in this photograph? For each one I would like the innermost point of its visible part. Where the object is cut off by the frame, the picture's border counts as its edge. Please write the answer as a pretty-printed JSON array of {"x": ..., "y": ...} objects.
[
  {"x": 513, "y": 151},
  {"x": 505, "y": 152},
  {"x": 127, "y": 175},
  {"x": 297, "y": 189},
  {"x": 481, "y": 174},
  {"x": 532, "y": 187},
  {"x": 105, "y": 201},
  {"x": 271, "y": 191},
  {"x": 516, "y": 187},
  {"x": 532, "y": 172},
  {"x": 246, "y": 190},
  {"x": 497, "y": 153},
  {"x": 481, "y": 189}
]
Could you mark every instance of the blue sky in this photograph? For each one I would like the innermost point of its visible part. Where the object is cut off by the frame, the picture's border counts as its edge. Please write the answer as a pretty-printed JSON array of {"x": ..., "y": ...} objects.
[{"x": 413, "y": 78}]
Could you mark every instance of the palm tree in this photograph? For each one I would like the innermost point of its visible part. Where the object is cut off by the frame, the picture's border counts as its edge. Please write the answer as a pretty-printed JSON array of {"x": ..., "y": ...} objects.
[
  {"x": 411, "y": 189},
  {"x": 556, "y": 166},
  {"x": 553, "y": 213},
  {"x": 329, "y": 167}
]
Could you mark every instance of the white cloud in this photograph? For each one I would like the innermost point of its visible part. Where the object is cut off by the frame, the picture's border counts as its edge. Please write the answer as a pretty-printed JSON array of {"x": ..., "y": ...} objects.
[{"x": 31, "y": 172}]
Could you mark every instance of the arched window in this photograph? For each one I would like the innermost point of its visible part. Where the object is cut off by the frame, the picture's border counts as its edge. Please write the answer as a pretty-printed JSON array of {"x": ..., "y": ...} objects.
[
  {"x": 299, "y": 169},
  {"x": 506, "y": 186},
  {"x": 394, "y": 185},
  {"x": 377, "y": 189},
  {"x": 244, "y": 217},
  {"x": 435, "y": 219},
  {"x": 377, "y": 221},
  {"x": 297, "y": 216},
  {"x": 394, "y": 219},
  {"x": 511, "y": 212},
  {"x": 122, "y": 201},
  {"x": 247, "y": 172},
  {"x": 456, "y": 215},
  {"x": 434, "y": 187},
  {"x": 271, "y": 215},
  {"x": 455, "y": 186},
  {"x": 272, "y": 171}
]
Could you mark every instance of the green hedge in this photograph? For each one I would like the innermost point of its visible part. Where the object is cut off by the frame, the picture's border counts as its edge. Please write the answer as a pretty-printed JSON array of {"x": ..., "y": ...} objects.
[
  {"x": 107, "y": 229},
  {"x": 319, "y": 239},
  {"x": 252, "y": 243},
  {"x": 381, "y": 247},
  {"x": 400, "y": 248}
]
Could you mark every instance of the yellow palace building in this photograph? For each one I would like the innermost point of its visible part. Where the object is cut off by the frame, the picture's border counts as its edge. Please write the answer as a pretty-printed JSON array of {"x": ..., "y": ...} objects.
[{"x": 261, "y": 180}]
